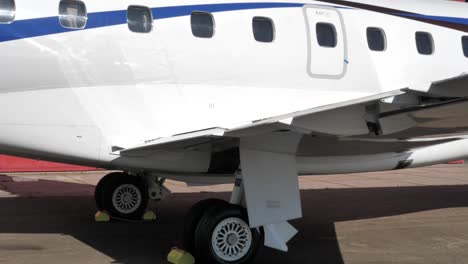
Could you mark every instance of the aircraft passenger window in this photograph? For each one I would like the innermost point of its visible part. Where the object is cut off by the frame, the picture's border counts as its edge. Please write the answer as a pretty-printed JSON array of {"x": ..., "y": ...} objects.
[
  {"x": 202, "y": 24},
  {"x": 465, "y": 45},
  {"x": 263, "y": 29},
  {"x": 139, "y": 19},
  {"x": 326, "y": 35},
  {"x": 7, "y": 11},
  {"x": 424, "y": 43},
  {"x": 72, "y": 14},
  {"x": 376, "y": 39}
]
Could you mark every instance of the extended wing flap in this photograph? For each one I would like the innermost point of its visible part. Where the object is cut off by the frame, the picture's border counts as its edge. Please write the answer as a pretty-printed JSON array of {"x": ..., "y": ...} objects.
[
  {"x": 453, "y": 87},
  {"x": 440, "y": 119}
]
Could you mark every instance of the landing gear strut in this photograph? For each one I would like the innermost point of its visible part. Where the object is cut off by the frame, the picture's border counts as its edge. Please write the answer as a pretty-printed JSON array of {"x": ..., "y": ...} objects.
[
  {"x": 122, "y": 196},
  {"x": 218, "y": 232}
]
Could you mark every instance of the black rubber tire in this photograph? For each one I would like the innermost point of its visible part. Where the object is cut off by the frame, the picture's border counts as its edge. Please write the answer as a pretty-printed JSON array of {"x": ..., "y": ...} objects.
[
  {"x": 191, "y": 221},
  {"x": 112, "y": 184},
  {"x": 209, "y": 221},
  {"x": 99, "y": 188}
]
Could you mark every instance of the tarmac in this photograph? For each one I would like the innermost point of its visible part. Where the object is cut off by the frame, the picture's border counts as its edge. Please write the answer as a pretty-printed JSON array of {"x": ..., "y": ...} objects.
[{"x": 407, "y": 216}]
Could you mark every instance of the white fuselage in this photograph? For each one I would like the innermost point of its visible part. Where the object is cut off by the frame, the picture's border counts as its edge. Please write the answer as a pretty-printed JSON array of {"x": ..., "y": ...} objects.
[{"x": 73, "y": 96}]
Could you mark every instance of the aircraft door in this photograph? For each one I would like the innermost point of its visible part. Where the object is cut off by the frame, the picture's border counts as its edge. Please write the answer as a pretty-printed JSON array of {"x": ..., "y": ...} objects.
[{"x": 327, "y": 51}]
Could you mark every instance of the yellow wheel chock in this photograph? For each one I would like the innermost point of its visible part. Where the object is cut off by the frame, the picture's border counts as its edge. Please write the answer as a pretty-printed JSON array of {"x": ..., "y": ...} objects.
[
  {"x": 149, "y": 216},
  {"x": 178, "y": 256},
  {"x": 102, "y": 216}
]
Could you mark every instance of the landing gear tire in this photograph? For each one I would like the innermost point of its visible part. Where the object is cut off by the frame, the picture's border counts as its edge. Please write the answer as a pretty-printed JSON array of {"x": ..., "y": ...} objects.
[
  {"x": 223, "y": 236},
  {"x": 122, "y": 196},
  {"x": 99, "y": 188},
  {"x": 191, "y": 221}
]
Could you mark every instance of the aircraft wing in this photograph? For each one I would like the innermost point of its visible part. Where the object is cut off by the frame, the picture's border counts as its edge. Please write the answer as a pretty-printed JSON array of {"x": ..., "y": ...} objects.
[
  {"x": 295, "y": 122},
  {"x": 345, "y": 119}
]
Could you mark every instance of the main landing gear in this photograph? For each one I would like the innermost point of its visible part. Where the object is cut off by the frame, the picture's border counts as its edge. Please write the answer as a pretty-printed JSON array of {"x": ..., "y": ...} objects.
[
  {"x": 218, "y": 232},
  {"x": 122, "y": 196},
  {"x": 215, "y": 231}
]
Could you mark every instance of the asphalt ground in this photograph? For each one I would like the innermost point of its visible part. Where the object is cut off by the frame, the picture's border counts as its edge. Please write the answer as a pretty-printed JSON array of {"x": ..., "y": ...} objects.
[{"x": 408, "y": 216}]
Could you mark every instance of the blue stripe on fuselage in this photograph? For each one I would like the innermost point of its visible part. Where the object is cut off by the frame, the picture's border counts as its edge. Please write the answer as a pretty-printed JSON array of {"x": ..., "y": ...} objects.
[{"x": 50, "y": 25}]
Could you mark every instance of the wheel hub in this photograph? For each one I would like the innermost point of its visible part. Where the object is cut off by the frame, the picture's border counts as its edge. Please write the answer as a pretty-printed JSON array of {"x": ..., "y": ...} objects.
[
  {"x": 232, "y": 239},
  {"x": 126, "y": 198}
]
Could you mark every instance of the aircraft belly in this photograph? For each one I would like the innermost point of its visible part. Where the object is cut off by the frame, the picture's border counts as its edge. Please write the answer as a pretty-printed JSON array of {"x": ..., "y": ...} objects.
[{"x": 367, "y": 157}]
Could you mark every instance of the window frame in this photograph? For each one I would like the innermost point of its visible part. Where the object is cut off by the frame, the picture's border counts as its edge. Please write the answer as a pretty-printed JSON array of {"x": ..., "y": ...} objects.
[
  {"x": 464, "y": 40},
  {"x": 132, "y": 23},
  {"x": 431, "y": 38},
  {"x": 62, "y": 16},
  {"x": 273, "y": 28},
  {"x": 335, "y": 35},
  {"x": 193, "y": 26},
  {"x": 8, "y": 19},
  {"x": 384, "y": 38}
]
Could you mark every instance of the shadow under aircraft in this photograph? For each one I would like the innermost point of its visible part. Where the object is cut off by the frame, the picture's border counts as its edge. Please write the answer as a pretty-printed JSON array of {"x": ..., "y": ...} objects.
[{"x": 71, "y": 213}]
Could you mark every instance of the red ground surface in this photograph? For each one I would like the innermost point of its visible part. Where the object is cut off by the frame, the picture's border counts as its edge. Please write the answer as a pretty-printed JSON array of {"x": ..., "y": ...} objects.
[{"x": 15, "y": 164}]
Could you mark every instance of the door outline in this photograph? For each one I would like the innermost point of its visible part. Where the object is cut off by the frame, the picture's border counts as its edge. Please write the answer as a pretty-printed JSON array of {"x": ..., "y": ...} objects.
[{"x": 309, "y": 43}]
